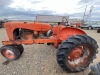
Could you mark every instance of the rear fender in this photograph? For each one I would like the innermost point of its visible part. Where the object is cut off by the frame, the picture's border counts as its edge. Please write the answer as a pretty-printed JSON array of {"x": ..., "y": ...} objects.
[{"x": 69, "y": 31}]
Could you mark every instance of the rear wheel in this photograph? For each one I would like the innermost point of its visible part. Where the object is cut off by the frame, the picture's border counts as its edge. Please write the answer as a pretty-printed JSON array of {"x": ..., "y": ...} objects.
[
  {"x": 10, "y": 52},
  {"x": 76, "y": 53}
]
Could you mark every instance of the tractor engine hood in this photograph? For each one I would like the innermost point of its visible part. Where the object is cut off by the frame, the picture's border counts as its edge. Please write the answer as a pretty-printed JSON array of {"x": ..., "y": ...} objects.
[{"x": 41, "y": 27}]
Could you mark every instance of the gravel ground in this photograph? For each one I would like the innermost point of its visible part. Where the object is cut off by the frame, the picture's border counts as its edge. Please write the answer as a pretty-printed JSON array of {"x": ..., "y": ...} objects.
[{"x": 39, "y": 60}]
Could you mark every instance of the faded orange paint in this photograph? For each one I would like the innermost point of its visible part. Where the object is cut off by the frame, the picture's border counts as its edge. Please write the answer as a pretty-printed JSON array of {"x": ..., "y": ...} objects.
[
  {"x": 60, "y": 33},
  {"x": 11, "y": 26}
]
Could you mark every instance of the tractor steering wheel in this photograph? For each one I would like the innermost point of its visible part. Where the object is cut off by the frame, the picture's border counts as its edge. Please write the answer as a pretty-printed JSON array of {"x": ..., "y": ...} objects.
[{"x": 64, "y": 19}]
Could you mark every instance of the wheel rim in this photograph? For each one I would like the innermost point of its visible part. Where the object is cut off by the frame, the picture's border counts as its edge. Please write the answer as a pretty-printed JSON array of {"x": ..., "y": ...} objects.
[
  {"x": 79, "y": 56},
  {"x": 8, "y": 54}
]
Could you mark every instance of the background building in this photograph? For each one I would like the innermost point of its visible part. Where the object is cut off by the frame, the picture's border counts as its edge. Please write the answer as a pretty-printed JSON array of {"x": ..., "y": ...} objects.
[{"x": 51, "y": 19}]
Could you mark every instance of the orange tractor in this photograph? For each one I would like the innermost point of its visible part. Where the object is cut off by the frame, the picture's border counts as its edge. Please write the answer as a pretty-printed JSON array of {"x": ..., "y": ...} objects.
[{"x": 76, "y": 50}]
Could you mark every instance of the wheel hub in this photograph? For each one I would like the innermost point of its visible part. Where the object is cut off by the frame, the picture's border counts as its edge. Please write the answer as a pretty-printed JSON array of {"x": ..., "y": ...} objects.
[
  {"x": 78, "y": 56},
  {"x": 8, "y": 54},
  {"x": 76, "y": 53}
]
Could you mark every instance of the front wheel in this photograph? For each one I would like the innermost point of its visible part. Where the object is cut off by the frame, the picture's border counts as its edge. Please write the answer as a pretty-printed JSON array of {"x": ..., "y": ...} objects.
[
  {"x": 76, "y": 53},
  {"x": 20, "y": 48},
  {"x": 10, "y": 52}
]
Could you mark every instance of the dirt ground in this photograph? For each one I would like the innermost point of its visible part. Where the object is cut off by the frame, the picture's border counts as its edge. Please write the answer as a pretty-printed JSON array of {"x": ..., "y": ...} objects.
[{"x": 39, "y": 59}]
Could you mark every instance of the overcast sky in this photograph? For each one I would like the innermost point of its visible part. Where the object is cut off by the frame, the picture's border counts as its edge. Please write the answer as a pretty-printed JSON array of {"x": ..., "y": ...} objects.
[{"x": 28, "y": 9}]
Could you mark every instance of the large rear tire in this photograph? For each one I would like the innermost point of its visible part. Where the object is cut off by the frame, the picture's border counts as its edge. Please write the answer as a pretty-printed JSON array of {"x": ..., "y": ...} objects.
[{"x": 76, "y": 53}]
